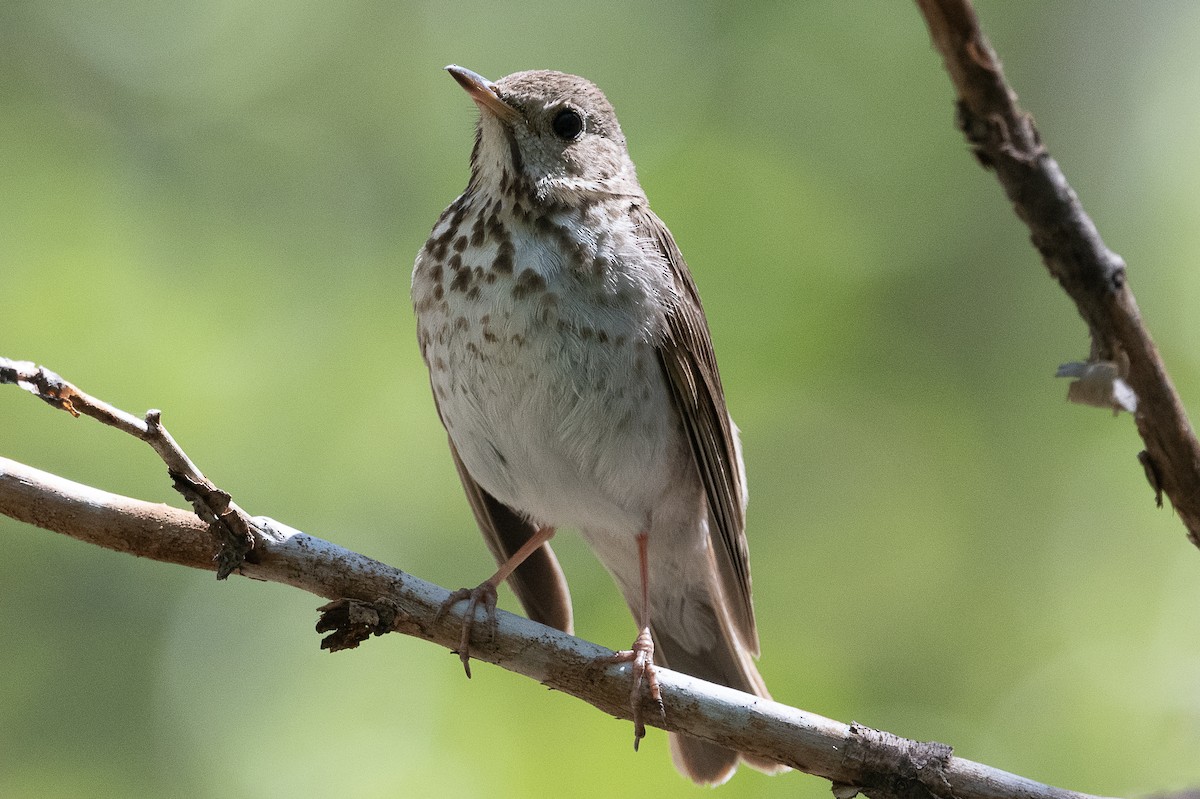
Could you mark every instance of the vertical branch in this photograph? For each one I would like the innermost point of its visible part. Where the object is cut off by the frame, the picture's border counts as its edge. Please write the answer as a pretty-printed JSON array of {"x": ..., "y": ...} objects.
[{"x": 1005, "y": 140}]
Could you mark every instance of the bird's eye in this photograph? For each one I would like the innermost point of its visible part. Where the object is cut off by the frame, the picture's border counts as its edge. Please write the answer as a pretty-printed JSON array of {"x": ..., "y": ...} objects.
[{"x": 567, "y": 124}]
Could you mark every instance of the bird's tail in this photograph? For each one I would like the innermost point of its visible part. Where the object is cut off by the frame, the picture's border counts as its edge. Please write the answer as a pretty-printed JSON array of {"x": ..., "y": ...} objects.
[{"x": 726, "y": 662}]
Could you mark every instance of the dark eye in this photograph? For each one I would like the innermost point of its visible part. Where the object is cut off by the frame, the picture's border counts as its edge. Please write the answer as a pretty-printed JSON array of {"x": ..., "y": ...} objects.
[{"x": 567, "y": 124}]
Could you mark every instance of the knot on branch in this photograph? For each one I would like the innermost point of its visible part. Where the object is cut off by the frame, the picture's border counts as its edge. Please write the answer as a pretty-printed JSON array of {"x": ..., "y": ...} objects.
[
  {"x": 351, "y": 622},
  {"x": 895, "y": 767},
  {"x": 993, "y": 137},
  {"x": 230, "y": 527},
  {"x": 39, "y": 381}
]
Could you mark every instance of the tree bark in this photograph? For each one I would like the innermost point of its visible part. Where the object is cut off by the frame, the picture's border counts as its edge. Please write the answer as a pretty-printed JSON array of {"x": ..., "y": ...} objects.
[{"x": 1006, "y": 141}]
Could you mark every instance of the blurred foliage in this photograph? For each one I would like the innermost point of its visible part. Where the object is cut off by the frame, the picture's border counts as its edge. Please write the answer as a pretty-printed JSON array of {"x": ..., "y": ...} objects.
[{"x": 212, "y": 208}]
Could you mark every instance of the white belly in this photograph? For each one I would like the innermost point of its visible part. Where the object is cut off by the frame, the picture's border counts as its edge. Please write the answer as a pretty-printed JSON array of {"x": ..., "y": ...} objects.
[{"x": 569, "y": 434}]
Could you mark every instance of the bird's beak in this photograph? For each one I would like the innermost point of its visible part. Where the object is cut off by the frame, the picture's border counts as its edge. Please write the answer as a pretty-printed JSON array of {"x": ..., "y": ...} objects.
[{"x": 483, "y": 92}]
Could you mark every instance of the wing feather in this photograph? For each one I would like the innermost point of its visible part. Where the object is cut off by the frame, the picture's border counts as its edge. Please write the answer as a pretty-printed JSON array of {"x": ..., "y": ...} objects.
[{"x": 688, "y": 361}]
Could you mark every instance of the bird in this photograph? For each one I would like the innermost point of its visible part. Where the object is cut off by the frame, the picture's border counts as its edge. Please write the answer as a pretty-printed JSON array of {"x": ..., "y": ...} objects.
[{"x": 573, "y": 369}]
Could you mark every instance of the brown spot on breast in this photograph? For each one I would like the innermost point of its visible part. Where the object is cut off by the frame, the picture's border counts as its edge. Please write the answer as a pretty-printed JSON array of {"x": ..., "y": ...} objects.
[
  {"x": 461, "y": 323},
  {"x": 495, "y": 229},
  {"x": 528, "y": 282},
  {"x": 429, "y": 303},
  {"x": 461, "y": 281},
  {"x": 504, "y": 259},
  {"x": 462, "y": 274},
  {"x": 438, "y": 250},
  {"x": 575, "y": 252},
  {"x": 436, "y": 245},
  {"x": 488, "y": 334},
  {"x": 460, "y": 244},
  {"x": 455, "y": 210}
]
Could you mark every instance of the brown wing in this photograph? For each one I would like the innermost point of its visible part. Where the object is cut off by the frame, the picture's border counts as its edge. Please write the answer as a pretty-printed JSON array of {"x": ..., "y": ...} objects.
[
  {"x": 538, "y": 582},
  {"x": 690, "y": 366}
]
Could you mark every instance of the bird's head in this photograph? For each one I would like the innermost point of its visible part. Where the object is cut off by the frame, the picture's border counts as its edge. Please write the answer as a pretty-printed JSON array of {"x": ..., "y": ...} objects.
[{"x": 549, "y": 135}]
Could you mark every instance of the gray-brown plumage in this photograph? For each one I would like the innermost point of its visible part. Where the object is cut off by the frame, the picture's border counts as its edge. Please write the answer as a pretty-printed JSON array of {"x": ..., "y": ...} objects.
[{"x": 573, "y": 370}]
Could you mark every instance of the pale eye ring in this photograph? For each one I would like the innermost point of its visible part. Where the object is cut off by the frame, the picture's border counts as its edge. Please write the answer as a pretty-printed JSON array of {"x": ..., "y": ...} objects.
[{"x": 567, "y": 124}]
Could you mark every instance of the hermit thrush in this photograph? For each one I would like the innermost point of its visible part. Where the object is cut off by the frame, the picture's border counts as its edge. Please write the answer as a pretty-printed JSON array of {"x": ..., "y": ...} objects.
[{"x": 572, "y": 368}]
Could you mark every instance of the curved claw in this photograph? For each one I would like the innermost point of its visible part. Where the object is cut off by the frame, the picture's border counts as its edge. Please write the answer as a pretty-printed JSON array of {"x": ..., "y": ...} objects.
[
  {"x": 485, "y": 594},
  {"x": 641, "y": 658}
]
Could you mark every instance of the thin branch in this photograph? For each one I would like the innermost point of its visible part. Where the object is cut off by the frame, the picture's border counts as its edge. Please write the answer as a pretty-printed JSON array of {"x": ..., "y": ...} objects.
[
  {"x": 371, "y": 598},
  {"x": 228, "y": 523},
  {"x": 1005, "y": 140}
]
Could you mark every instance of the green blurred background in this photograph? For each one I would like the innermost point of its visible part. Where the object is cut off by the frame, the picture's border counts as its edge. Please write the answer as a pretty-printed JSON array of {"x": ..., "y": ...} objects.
[{"x": 212, "y": 208}]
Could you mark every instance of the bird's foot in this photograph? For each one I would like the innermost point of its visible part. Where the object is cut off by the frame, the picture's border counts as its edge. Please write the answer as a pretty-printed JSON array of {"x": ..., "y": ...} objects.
[
  {"x": 641, "y": 658},
  {"x": 484, "y": 594}
]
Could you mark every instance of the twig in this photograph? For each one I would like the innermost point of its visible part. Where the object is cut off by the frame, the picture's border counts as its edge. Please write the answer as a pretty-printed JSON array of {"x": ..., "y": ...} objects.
[
  {"x": 1005, "y": 140},
  {"x": 371, "y": 598},
  {"x": 229, "y": 524}
]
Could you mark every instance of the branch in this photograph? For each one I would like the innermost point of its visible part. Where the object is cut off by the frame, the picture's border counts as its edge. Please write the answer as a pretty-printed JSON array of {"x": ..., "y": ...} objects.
[
  {"x": 371, "y": 598},
  {"x": 1005, "y": 140},
  {"x": 227, "y": 522}
]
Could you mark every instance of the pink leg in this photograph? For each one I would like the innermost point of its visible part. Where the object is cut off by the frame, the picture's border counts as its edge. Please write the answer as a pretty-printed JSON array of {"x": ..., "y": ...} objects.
[
  {"x": 485, "y": 594},
  {"x": 641, "y": 656}
]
